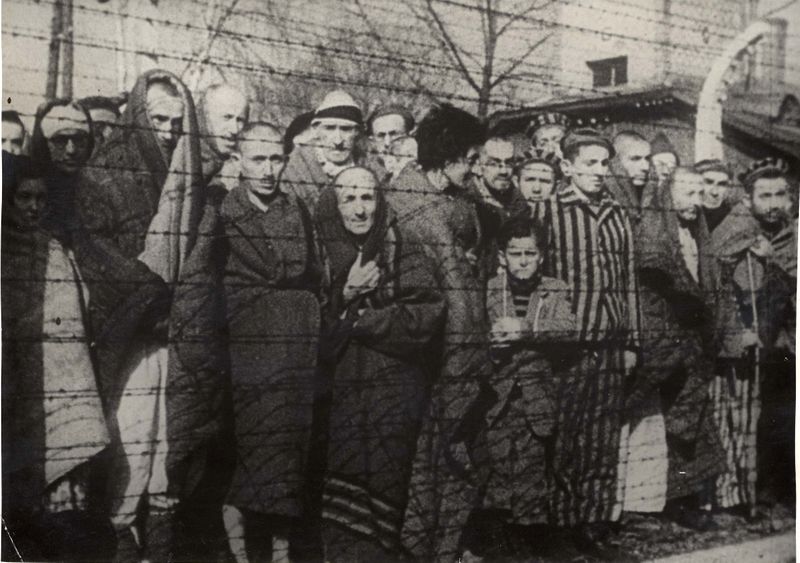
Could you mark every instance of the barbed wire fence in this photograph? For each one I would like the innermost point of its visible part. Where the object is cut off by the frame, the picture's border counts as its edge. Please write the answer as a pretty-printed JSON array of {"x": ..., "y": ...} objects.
[{"x": 384, "y": 56}]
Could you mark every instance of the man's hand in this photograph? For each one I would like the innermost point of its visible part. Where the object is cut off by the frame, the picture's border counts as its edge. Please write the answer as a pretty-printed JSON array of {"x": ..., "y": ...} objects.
[
  {"x": 506, "y": 330},
  {"x": 629, "y": 360},
  {"x": 762, "y": 247},
  {"x": 361, "y": 280}
]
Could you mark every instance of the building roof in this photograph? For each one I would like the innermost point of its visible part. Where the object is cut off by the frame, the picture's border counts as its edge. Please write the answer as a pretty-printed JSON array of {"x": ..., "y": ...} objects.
[{"x": 771, "y": 121}]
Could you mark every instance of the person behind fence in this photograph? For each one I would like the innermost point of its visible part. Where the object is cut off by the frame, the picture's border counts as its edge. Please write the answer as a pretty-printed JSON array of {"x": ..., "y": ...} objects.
[
  {"x": 273, "y": 276},
  {"x": 546, "y": 131},
  {"x": 402, "y": 153},
  {"x": 385, "y": 315},
  {"x": 337, "y": 125},
  {"x": 54, "y": 426},
  {"x": 428, "y": 201},
  {"x": 537, "y": 178},
  {"x": 591, "y": 248},
  {"x": 663, "y": 157},
  {"x": 497, "y": 198},
  {"x": 104, "y": 112},
  {"x": 141, "y": 202},
  {"x": 221, "y": 114},
  {"x": 674, "y": 449},
  {"x": 13, "y": 132},
  {"x": 61, "y": 145},
  {"x": 630, "y": 180},
  {"x": 756, "y": 246},
  {"x": 388, "y": 123},
  {"x": 299, "y": 132},
  {"x": 531, "y": 319},
  {"x": 718, "y": 194}
]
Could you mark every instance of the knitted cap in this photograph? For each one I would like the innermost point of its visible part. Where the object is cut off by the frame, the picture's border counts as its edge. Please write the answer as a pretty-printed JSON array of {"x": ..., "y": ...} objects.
[
  {"x": 583, "y": 138},
  {"x": 661, "y": 144},
  {"x": 771, "y": 166},
  {"x": 712, "y": 165},
  {"x": 339, "y": 105},
  {"x": 549, "y": 118}
]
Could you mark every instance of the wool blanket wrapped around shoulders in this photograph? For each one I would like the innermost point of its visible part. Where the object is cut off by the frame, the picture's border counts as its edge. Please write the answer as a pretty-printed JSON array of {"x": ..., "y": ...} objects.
[
  {"x": 272, "y": 281},
  {"x": 53, "y": 419}
]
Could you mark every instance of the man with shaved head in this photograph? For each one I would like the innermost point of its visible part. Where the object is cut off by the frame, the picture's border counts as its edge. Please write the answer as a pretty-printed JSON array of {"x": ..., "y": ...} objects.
[
  {"x": 629, "y": 180},
  {"x": 272, "y": 279},
  {"x": 674, "y": 448}
]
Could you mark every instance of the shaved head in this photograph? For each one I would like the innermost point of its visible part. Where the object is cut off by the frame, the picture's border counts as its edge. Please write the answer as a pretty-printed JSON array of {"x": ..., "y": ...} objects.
[{"x": 633, "y": 153}]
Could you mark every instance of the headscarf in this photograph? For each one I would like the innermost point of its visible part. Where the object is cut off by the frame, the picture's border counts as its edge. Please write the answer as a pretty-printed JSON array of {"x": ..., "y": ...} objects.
[
  {"x": 341, "y": 245},
  {"x": 60, "y": 216},
  {"x": 52, "y": 116},
  {"x": 182, "y": 177},
  {"x": 136, "y": 131}
]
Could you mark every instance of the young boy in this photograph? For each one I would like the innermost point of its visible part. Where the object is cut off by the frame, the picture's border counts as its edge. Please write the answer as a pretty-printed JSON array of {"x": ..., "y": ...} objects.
[
  {"x": 537, "y": 178},
  {"x": 529, "y": 315}
]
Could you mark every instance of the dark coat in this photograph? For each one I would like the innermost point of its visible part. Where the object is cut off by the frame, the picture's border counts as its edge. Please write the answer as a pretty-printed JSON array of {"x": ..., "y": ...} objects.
[
  {"x": 381, "y": 374},
  {"x": 521, "y": 424},
  {"x": 677, "y": 346},
  {"x": 53, "y": 419},
  {"x": 492, "y": 215},
  {"x": 774, "y": 281},
  {"x": 272, "y": 282},
  {"x": 442, "y": 494}
]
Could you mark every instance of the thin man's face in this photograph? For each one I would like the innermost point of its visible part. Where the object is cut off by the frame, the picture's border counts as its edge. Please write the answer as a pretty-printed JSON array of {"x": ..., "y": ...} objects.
[
  {"x": 687, "y": 195},
  {"x": 715, "y": 188},
  {"x": 337, "y": 138},
  {"x": 497, "y": 163},
  {"x": 386, "y": 129},
  {"x": 262, "y": 161},
  {"x": 226, "y": 111},
  {"x": 588, "y": 169},
  {"x": 770, "y": 200}
]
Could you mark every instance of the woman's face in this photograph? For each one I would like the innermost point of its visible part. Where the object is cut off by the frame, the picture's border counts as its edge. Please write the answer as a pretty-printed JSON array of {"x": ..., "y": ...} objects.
[
  {"x": 357, "y": 201},
  {"x": 29, "y": 201}
]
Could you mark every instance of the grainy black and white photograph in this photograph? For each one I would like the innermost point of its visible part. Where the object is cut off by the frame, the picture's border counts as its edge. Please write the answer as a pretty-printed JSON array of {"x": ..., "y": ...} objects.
[{"x": 366, "y": 281}]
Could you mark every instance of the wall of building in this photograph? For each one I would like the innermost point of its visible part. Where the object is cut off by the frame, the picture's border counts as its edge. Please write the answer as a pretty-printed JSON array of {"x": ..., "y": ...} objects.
[{"x": 662, "y": 39}]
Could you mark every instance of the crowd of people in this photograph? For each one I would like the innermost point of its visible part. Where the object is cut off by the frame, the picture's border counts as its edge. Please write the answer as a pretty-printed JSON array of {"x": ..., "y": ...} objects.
[{"x": 377, "y": 338}]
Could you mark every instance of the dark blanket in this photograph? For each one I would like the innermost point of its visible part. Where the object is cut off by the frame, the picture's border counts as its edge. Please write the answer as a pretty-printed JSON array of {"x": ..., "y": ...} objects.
[
  {"x": 272, "y": 279},
  {"x": 130, "y": 304},
  {"x": 677, "y": 346},
  {"x": 442, "y": 492},
  {"x": 381, "y": 376}
]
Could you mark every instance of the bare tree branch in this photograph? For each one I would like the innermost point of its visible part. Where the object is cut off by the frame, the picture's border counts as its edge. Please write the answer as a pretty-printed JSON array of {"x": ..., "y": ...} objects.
[
  {"x": 523, "y": 14},
  {"x": 451, "y": 46},
  {"x": 511, "y": 68},
  {"x": 382, "y": 44}
]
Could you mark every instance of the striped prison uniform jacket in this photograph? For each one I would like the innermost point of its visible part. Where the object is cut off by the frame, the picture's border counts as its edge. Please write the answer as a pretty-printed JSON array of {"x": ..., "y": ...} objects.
[{"x": 591, "y": 248}]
